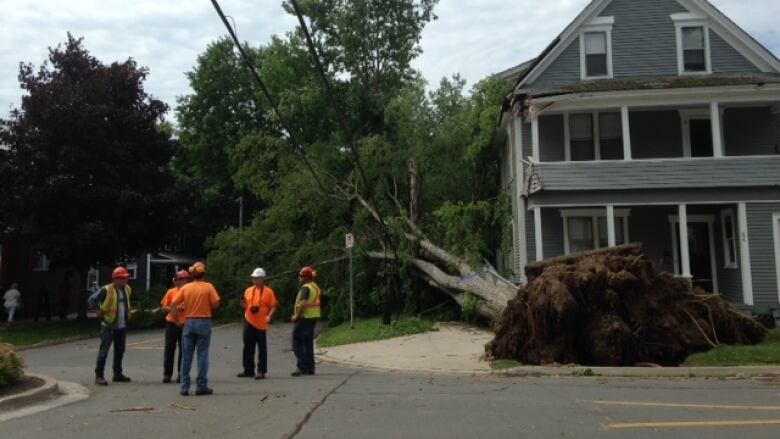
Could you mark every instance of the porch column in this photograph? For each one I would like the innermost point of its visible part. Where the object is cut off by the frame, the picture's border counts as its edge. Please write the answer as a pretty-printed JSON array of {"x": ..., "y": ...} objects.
[
  {"x": 685, "y": 259},
  {"x": 521, "y": 254},
  {"x": 538, "y": 233},
  {"x": 717, "y": 140},
  {"x": 535, "y": 139},
  {"x": 744, "y": 255},
  {"x": 611, "y": 225},
  {"x": 148, "y": 271},
  {"x": 626, "y": 133}
]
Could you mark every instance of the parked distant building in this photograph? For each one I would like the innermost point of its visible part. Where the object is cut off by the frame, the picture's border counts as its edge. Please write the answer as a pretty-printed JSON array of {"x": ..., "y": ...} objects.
[{"x": 654, "y": 121}]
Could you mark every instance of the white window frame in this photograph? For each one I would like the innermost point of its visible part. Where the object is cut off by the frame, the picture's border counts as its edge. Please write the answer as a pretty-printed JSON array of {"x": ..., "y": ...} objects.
[
  {"x": 598, "y": 24},
  {"x": 594, "y": 214},
  {"x": 595, "y": 131},
  {"x": 132, "y": 268},
  {"x": 727, "y": 260},
  {"x": 776, "y": 232},
  {"x": 687, "y": 19}
]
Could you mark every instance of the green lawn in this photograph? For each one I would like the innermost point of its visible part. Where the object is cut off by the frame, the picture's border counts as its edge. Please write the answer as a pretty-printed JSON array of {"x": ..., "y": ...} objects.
[
  {"x": 502, "y": 364},
  {"x": 373, "y": 329},
  {"x": 767, "y": 352},
  {"x": 48, "y": 331}
]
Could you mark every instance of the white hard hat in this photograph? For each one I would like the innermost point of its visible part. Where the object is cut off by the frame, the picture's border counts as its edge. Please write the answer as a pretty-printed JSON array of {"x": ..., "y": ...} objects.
[{"x": 259, "y": 272}]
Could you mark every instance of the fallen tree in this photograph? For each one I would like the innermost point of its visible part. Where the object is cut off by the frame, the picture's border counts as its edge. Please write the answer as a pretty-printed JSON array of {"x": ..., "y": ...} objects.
[{"x": 611, "y": 307}]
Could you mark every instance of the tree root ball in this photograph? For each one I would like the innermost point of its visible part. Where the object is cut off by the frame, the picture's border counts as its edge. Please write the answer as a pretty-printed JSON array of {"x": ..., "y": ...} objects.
[{"x": 611, "y": 307}]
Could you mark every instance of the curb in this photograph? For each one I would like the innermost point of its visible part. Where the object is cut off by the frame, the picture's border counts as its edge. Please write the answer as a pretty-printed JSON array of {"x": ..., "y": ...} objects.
[
  {"x": 359, "y": 365},
  {"x": 49, "y": 390},
  {"x": 643, "y": 372},
  {"x": 49, "y": 343}
]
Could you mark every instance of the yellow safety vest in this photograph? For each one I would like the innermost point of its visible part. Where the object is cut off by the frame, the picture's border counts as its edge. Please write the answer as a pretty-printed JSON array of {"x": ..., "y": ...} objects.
[
  {"x": 110, "y": 306},
  {"x": 311, "y": 310}
]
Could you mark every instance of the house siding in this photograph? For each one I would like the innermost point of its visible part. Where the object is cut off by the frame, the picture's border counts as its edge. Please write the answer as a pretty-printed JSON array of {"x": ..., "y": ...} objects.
[
  {"x": 661, "y": 174},
  {"x": 644, "y": 41},
  {"x": 762, "y": 254},
  {"x": 551, "y": 139},
  {"x": 762, "y": 138},
  {"x": 546, "y": 198},
  {"x": 655, "y": 134},
  {"x": 563, "y": 70},
  {"x": 526, "y": 139},
  {"x": 726, "y": 59}
]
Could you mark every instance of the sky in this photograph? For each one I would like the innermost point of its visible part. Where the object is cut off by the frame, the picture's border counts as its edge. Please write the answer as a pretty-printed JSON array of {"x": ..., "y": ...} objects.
[{"x": 472, "y": 37}]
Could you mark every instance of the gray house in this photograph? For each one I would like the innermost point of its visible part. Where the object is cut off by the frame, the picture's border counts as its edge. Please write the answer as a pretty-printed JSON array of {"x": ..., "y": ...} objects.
[{"x": 653, "y": 121}]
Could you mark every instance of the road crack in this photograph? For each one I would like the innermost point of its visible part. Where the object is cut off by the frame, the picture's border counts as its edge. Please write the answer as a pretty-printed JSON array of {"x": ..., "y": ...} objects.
[{"x": 306, "y": 418}]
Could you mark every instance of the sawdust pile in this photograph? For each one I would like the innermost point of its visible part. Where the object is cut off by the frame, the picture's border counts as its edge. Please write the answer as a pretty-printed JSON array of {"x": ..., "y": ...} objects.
[{"x": 611, "y": 307}]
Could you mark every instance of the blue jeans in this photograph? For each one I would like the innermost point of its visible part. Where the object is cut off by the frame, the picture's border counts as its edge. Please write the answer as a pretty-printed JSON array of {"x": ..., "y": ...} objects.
[
  {"x": 197, "y": 332},
  {"x": 303, "y": 344},
  {"x": 108, "y": 336}
]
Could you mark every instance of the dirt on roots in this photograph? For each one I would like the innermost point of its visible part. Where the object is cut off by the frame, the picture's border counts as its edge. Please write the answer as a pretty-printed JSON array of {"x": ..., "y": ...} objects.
[{"x": 611, "y": 307}]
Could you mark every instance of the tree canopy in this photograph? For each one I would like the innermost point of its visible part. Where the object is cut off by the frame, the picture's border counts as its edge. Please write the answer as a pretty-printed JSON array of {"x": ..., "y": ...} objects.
[{"x": 87, "y": 173}]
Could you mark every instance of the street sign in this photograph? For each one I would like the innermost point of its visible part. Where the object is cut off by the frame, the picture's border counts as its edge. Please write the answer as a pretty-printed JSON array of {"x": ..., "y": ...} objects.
[{"x": 350, "y": 240}]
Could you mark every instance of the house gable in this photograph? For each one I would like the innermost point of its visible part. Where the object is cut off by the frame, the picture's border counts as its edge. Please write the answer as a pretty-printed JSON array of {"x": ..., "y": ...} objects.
[{"x": 644, "y": 43}]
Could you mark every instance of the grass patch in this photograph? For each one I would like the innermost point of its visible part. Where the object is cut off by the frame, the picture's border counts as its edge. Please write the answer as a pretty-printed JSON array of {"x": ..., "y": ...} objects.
[
  {"x": 503, "y": 363},
  {"x": 373, "y": 329},
  {"x": 767, "y": 352},
  {"x": 49, "y": 331}
]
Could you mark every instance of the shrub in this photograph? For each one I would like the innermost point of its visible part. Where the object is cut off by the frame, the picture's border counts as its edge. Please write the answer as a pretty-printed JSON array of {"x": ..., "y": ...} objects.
[{"x": 11, "y": 365}]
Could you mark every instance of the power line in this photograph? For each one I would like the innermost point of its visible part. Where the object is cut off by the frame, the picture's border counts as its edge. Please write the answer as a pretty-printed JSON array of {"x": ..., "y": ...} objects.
[{"x": 297, "y": 148}]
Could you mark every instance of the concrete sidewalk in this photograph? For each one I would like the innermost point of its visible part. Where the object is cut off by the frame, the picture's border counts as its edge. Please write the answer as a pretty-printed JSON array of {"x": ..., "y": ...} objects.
[
  {"x": 454, "y": 348},
  {"x": 460, "y": 349}
]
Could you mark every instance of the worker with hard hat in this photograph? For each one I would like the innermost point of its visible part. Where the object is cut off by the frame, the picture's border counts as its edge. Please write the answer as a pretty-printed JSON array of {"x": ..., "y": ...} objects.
[
  {"x": 197, "y": 298},
  {"x": 259, "y": 303},
  {"x": 173, "y": 327},
  {"x": 305, "y": 316},
  {"x": 113, "y": 309}
]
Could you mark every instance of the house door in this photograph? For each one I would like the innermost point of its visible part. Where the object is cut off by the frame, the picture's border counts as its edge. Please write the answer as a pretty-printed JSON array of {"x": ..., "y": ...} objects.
[
  {"x": 700, "y": 252},
  {"x": 701, "y": 138}
]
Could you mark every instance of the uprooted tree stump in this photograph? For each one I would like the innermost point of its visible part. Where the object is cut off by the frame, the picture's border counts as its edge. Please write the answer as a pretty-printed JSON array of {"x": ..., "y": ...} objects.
[{"x": 611, "y": 307}]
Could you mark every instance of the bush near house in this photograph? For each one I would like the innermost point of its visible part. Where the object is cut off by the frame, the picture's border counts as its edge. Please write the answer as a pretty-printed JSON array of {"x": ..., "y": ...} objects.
[{"x": 11, "y": 365}]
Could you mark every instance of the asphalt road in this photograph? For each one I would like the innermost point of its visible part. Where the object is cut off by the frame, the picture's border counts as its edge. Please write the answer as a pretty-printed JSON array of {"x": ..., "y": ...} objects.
[{"x": 347, "y": 403}]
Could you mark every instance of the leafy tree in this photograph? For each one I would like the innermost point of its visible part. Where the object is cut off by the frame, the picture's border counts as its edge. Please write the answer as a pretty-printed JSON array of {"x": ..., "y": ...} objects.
[{"x": 87, "y": 175}]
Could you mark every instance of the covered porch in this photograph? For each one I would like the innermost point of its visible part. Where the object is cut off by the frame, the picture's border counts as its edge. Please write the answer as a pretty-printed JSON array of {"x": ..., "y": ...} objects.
[{"x": 700, "y": 242}]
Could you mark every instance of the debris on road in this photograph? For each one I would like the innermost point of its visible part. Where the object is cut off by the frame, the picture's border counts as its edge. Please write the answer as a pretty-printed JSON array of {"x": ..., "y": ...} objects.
[
  {"x": 134, "y": 409},
  {"x": 611, "y": 307}
]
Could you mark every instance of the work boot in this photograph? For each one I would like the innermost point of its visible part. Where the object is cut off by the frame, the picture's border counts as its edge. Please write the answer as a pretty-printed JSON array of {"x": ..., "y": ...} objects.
[
  {"x": 297, "y": 373},
  {"x": 245, "y": 375},
  {"x": 100, "y": 381},
  {"x": 121, "y": 379},
  {"x": 206, "y": 391},
  {"x": 260, "y": 376},
  {"x": 184, "y": 393},
  {"x": 166, "y": 380}
]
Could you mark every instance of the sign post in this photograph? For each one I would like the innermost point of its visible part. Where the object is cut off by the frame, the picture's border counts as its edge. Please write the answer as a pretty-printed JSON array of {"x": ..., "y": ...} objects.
[{"x": 349, "y": 243}]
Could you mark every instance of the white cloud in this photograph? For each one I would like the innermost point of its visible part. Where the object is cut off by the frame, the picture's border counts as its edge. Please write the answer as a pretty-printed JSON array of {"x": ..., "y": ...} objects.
[{"x": 471, "y": 37}]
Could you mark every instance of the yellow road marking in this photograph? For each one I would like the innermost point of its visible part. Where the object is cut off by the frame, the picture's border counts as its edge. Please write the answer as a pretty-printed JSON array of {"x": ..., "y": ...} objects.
[
  {"x": 694, "y": 424},
  {"x": 690, "y": 406}
]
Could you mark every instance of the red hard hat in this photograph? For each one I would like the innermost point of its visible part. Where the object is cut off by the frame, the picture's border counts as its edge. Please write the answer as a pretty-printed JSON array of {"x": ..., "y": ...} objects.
[
  {"x": 307, "y": 272},
  {"x": 120, "y": 273},
  {"x": 182, "y": 274}
]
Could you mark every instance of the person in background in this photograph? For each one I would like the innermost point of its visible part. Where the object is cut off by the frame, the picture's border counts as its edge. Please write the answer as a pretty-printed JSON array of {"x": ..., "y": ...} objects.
[
  {"x": 12, "y": 300},
  {"x": 197, "y": 298},
  {"x": 305, "y": 316},
  {"x": 173, "y": 328},
  {"x": 113, "y": 309},
  {"x": 259, "y": 303}
]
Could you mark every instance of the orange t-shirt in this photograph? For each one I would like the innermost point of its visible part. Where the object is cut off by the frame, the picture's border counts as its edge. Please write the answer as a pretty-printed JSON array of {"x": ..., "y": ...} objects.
[
  {"x": 197, "y": 298},
  {"x": 167, "y": 300},
  {"x": 265, "y": 300}
]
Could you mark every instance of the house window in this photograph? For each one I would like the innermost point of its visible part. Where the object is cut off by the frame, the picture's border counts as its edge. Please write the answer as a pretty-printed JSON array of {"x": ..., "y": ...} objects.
[
  {"x": 132, "y": 268},
  {"x": 610, "y": 136},
  {"x": 693, "y": 49},
  {"x": 693, "y": 44},
  {"x": 596, "y": 48},
  {"x": 586, "y": 229},
  {"x": 728, "y": 227},
  {"x": 596, "y": 54},
  {"x": 40, "y": 262},
  {"x": 581, "y": 142}
]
